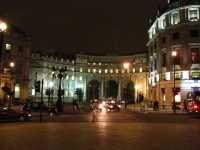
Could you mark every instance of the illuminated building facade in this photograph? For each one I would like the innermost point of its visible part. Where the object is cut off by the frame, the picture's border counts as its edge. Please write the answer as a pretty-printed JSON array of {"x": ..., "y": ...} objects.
[
  {"x": 98, "y": 77},
  {"x": 14, "y": 65},
  {"x": 176, "y": 30}
]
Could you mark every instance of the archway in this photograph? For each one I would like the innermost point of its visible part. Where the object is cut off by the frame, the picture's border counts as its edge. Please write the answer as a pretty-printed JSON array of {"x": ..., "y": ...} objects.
[
  {"x": 129, "y": 93},
  {"x": 112, "y": 89},
  {"x": 93, "y": 88}
]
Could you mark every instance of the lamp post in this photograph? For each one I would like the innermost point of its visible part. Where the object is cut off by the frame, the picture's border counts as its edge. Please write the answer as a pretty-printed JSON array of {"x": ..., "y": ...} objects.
[
  {"x": 126, "y": 66},
  {"x": 11, "y": 65},
  {"x": 174, "y": 54},
  {"x": 59, "y": 103}
]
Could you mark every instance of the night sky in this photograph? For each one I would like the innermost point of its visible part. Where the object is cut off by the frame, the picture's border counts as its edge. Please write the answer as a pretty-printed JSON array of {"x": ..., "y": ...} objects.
[{"x": 90, "y": 26}]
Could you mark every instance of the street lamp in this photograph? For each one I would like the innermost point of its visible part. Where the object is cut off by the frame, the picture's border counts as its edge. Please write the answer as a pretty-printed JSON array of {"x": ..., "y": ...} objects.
[
  {"x": 12, "y": 64},
  {"x": 3, "y": 28},
  {"x": 174, "y": 54}
]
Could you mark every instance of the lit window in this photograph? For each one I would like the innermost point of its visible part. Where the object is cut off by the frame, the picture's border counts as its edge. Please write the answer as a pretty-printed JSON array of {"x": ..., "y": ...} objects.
[
  {"x": 178, "y": 98},
  {"x": 100, "y": 71},
  {"x": 162, "y": 22},
  {"x": 123, "y": 71},
  {"x": 66, "y": 93},
  {"x": 185, "y": 75},
  {"x": 175, "y": 17},
  {"x": 89, "y": 70},
  {"x": 141, "y": 69},
  {"x": 67, "y": 77},
  {"x": 81, "y": 69},
  {"x": 99, "y": 64},
  {"x": 94, "y": 70},
  {"x": 157, "y": 78},
  {"x": 94, "y": 64},
  {"x": 73, "y": 69},
  {"x": 72, "y": 77},
  {"x": 178, "y": 75},
  {"x": 106, "y": 70},
  {"x": 111, "y": 70},
  {"x": 81, "y": 78},
  {"x": 33, "y": 92},
  {"x": 133, "y": 70},
  {"x": 17, "y": 91},
  {"x": 8, "y": 46},
  {"x": 193, "y": 14},
  {"x": 117, "y": 70},
  {"x": 167, "y": 76},
  {"x": 195, "y": 75}
]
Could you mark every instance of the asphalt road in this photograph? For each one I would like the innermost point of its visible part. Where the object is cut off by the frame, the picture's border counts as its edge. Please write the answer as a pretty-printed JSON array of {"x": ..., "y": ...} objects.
[{"x": 113, "y": 131}]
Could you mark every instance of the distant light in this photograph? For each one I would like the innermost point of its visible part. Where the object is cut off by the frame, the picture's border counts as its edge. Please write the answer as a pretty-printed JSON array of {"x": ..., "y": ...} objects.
[
  {"x": 12, "y": 64},
  {"x": 126, "y": 65},
  {"x": 174, "y": 53},
  {"x": 137, "y": 86},
  {"x": 3, "y": 26}
]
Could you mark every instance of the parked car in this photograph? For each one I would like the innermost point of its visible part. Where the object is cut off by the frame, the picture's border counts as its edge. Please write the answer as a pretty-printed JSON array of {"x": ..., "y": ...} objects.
[
  {"x": 34, "y": 107},
  {"x": 8, "y": 114}
]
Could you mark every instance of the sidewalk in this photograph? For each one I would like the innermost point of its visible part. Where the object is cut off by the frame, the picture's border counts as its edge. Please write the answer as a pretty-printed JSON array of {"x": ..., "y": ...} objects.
[{"x": 140, "y": 109}]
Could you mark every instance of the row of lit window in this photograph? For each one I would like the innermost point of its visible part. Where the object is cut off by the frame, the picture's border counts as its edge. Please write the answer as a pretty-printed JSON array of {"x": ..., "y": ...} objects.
[
  {"x": 179, "y": 75},
  {"x": 174, "y": 18},
  {"x": 113, "y": 71}
]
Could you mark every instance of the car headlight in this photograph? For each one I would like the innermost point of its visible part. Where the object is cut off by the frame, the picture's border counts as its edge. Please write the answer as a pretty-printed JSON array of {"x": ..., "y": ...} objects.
[{"x": 29, "y": 115}]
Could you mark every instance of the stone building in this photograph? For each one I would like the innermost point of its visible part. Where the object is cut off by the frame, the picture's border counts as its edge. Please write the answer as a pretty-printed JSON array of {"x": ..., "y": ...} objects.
[
  {"x": 174, "y": 52},
  {"x": 14, "y": 65},
  {"x": 96, "y": 76}
]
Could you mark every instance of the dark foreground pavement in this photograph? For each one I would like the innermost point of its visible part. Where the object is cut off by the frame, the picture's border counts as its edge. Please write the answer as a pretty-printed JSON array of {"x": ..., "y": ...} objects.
[{"x": 114, "y": 131}]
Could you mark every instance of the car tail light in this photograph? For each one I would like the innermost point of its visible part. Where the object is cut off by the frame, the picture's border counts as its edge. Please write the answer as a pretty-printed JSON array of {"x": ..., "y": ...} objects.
[{"x": 195, "y": 106}]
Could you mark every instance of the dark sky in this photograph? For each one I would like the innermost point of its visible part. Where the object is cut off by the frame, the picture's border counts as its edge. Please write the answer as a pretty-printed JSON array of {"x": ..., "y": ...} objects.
[{"x": 94, "y": 26}]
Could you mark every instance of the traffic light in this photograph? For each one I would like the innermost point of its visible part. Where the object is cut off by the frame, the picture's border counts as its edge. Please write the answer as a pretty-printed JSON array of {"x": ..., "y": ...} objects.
[{"x": 37, "y": 86}]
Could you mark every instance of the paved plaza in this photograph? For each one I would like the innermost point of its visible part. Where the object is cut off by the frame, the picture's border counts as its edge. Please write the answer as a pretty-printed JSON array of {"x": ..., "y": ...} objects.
[{"x": 114, "y": 131}]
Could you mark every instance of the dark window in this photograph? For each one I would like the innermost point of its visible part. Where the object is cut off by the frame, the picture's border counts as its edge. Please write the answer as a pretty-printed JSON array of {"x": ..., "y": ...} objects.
[
  {"x": 195, "y": 55},
  {"x": 164, "y": 40},
  {"x": 194, "y": 33},
  {"x": 176, "y": 36},
  {"x": 164, "y": 59},
  {"x": 155, "y": 45}
]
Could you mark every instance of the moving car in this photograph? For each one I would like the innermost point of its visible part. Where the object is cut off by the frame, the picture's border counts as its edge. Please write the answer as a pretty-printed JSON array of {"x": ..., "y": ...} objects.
[
  {"x": 8, "y": 114},
  {"x": 194, "y": 106}
]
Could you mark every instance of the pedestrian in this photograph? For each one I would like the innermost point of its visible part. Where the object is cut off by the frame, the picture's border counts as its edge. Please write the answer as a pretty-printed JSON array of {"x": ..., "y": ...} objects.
[
  {"x": 156, "y": 105},
  {"x": 94, "y": 112}
]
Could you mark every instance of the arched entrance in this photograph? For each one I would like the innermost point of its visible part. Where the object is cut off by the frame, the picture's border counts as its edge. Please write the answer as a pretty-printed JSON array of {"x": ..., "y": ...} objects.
[
  {"x": 129, "y": 93},
  {"x": 93, "y": 88},
  {"x": 112, "y": 88}
]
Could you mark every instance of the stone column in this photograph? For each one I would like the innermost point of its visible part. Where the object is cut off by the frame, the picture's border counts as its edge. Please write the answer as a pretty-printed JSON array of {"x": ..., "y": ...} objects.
[{"x": 119, "y": 91}]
